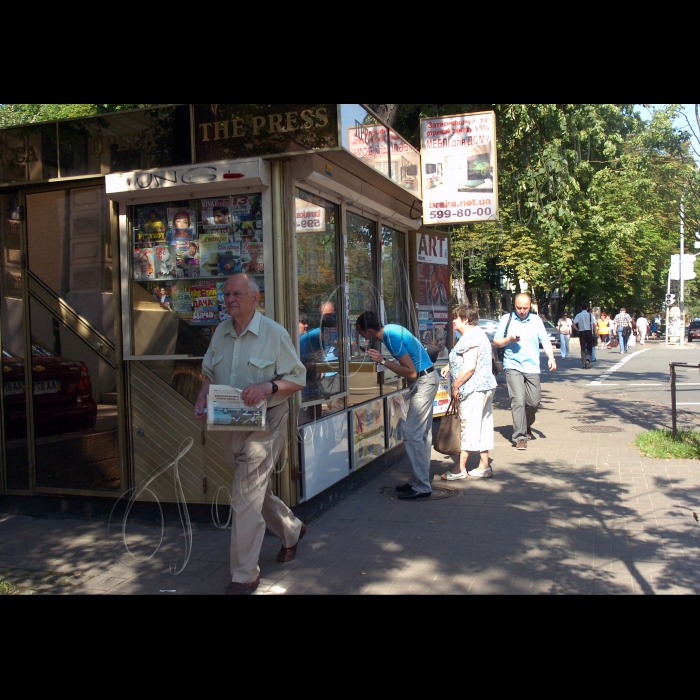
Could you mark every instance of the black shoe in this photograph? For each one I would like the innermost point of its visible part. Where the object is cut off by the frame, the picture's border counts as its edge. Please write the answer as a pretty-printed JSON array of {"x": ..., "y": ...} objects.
[
  {"x": 588, "y": 364},
  {"x": 404, "y": 489},
  {"x": 412, "y": 495}
]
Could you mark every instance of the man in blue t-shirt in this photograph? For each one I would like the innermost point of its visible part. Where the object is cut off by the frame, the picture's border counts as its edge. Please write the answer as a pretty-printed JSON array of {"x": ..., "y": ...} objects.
[
  {"x": 521, "y": 362},
  {"x": 412, "y": 362}
]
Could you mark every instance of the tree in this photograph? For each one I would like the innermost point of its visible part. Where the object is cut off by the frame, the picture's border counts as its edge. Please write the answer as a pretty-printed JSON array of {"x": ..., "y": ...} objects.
[{"x": 17, "y": 114}]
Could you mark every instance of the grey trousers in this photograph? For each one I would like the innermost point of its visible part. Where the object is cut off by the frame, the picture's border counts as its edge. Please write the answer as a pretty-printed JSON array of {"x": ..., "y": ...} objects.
[
  {"x": 525, "y": 393},
  {"x": 418, "y": 430}
]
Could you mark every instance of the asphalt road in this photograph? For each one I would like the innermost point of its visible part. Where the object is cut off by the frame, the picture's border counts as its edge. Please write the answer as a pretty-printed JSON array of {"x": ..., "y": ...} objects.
[{"x": 643, "y": 372}]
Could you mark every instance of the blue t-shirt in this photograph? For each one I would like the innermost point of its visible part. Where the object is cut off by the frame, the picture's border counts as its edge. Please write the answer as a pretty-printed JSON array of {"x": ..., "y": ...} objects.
[
  {"x": 523, "y": 356},
  {"x": 400, "y": 341}
]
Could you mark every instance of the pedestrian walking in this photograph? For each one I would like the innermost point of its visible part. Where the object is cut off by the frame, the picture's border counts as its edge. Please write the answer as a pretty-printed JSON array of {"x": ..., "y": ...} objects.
[
  {"x": 473, "y": 385},
  {"x": 586, "y": 325},
  {"x": 521, "y": 333},
  {"x": 249, "y": 350},
  {"x": 604, "y": 330},
  {"x": 564, "y": 327},
  {"x": 412, "y": 362},
  {"x": 623, "y": 328},
  {"x": 642, "y": 328}
]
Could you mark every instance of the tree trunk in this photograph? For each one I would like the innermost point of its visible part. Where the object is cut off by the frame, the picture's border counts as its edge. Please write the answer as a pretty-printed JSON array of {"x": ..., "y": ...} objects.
[{"x": 387, "y": 113}]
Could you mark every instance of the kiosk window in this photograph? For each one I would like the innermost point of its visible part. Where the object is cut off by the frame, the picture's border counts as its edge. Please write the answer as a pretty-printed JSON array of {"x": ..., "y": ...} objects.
[
  {"x": 183, "y": 252},
  {"x": 321, "y": 337}
]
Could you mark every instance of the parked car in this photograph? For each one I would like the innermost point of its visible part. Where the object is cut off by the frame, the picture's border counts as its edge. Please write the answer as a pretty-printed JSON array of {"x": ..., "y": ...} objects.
[
  {"x": 489, "y": 326},
  {"x": 63, "y": 399},
  {"x": 693, "y": 331},
  {"x": 552, "y": 333}
]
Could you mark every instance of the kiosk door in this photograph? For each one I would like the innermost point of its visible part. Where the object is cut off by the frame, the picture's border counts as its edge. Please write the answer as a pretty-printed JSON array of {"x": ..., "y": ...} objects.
[{"x": 60, "y": 404}]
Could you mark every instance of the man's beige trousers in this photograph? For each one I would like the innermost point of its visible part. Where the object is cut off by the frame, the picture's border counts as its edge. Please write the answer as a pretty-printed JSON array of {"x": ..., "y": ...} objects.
[{"x": 252, "y": 456}]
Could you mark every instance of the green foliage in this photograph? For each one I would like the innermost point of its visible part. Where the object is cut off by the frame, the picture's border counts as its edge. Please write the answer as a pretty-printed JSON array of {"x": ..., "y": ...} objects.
[
  {"x": 17, "y": 114},
  {"x": 660, "y": 444},
  {"x": 589, "y": 201}
]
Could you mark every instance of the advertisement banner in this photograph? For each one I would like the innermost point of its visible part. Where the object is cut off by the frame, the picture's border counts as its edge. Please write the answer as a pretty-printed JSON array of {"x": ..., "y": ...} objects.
[
  {"x": 309, "y": 217},
  {"x": 459, "y": 172}
]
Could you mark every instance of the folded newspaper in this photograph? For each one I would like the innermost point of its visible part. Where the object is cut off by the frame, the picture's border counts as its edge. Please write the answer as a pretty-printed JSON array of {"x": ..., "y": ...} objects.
[{"x": 226, "y": 410}]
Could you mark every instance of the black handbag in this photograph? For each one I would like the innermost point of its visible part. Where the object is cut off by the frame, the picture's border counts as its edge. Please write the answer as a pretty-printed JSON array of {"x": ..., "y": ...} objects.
[{"x": 497, "y": 354}]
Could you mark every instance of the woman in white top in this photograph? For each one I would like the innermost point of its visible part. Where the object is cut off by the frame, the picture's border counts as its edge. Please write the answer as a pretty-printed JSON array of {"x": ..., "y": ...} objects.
[{"x": 564, "y": 327}]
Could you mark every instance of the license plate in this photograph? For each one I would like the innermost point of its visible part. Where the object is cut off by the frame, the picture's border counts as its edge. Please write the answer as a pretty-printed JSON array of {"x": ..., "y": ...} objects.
[{"x": 50, "y": 386}]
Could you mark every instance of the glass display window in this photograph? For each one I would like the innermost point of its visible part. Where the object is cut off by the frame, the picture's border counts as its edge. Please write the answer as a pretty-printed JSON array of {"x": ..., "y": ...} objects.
[
  {"x": 183, "y": 253},
  {"x": 321, "y": 335}
]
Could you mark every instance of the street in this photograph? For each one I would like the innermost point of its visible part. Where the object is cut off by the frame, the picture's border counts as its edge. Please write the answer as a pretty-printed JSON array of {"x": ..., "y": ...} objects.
[{"x": 580, "y": 511}]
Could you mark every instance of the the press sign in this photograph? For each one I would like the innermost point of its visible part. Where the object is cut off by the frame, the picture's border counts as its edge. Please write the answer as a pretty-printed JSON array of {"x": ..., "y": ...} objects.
[{"x": 459, "y": 168}]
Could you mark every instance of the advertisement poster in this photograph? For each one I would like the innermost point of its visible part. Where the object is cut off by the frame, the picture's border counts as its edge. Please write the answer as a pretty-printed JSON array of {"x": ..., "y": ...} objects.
[
  {"x": 368, "y": 426},
  {"x": 310, "y": 218},
  {"x": 433, "y": 270},
  {"x": 442, "y": 398},
  {"x": 376, "y": 145},
  {"x": 460, "y": 178},
  {"x": 397, "y": 409}
]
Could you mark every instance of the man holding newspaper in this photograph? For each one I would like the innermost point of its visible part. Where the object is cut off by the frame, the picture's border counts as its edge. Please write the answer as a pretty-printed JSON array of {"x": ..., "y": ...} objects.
[{"x": 256, "y": 355}]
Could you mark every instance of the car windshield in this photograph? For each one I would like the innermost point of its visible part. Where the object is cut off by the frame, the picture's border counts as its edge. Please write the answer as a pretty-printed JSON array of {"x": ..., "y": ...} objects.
[
  {"x": 695, "y": 324},
  {"x": 548, "y": 325}
]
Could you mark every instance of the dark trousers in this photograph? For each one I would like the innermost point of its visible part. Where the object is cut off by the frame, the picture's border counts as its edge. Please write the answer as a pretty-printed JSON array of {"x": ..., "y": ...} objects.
[{"x": 585, "y": 338}]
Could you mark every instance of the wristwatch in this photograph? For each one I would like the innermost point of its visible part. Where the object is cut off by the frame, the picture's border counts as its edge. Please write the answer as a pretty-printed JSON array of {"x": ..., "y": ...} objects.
[
  {"x": 274, "y": 387},
  {"x": 383, "y": 362}
]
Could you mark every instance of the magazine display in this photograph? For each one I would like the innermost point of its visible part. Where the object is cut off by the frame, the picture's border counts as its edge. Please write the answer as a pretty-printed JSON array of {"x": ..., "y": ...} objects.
[
  {"x": 181, "y": 300},
  {"x": 187, "y": 258},
  {"x": 165, "y": 260},
  {"x": 218, "y": 254},
  {"x": 144, "y": 264},
  {"x": 150, "y": 224},
  {"x": 226, "y": 410},
  {"x": 216, "y": 211},
  {"x": 185, "y": 250},
  {"x": 205, "y": 307},
  {"x": 252, "y": 258}
]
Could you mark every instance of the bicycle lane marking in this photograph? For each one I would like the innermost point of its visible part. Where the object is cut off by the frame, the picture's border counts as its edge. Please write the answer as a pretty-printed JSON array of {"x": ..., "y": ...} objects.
[{"x": 608, "y": 373}]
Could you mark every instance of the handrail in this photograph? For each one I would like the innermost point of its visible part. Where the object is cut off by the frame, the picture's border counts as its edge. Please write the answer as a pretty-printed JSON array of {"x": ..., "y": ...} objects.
[{"x": 673, "y": 366}]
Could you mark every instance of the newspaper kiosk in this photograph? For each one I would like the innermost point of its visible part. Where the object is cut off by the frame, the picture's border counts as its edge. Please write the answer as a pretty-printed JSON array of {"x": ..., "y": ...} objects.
[{"x": 321, "y": 203}]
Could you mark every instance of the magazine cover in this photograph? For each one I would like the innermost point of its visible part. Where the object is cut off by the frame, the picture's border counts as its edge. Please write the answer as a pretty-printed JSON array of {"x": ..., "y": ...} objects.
[
  {"x": 144, "y": 264},
  {"x": 205, "y": 308},
  {"x": 151, "y": 223},
  {"x": 223, "y": 315},
  {"x": 187, "y": 258},
  {"x": 165, "y": 260},
  {"x": 161, "y": 293},
  {"x": 246, "y": 207},
  {"x": 180, "y": 299},
  {"x": 252, "y": 257},
  {"x": 182, "y": 224},
  {"x": 246, "y": 231},
  {"x": 226, "y": 410},
  {"x": 229, "y": 256},
  {"x": 216, "y": 211},
  {"x": 209, "y": 249}
]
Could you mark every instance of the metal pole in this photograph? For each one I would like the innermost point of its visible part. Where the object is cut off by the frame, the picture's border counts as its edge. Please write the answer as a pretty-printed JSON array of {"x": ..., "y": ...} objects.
[
  {"x": 681, "y": 274},
  {"x": 673, "y": 399},
  {"x": 668, "y": 291}
]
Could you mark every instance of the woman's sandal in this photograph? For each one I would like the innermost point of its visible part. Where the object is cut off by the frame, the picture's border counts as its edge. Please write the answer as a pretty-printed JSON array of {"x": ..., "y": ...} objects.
[{"x": 449, "y": 476}]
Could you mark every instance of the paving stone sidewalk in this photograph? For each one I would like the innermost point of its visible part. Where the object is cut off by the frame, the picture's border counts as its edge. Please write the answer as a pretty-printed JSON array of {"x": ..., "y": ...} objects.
[{"x": 574, "y": 513}]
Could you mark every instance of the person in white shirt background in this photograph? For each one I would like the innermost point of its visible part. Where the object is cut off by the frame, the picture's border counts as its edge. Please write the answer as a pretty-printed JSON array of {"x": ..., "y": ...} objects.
[
  {"x": 564, "y": 327},
  {"x": 642, "y": 328}
]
